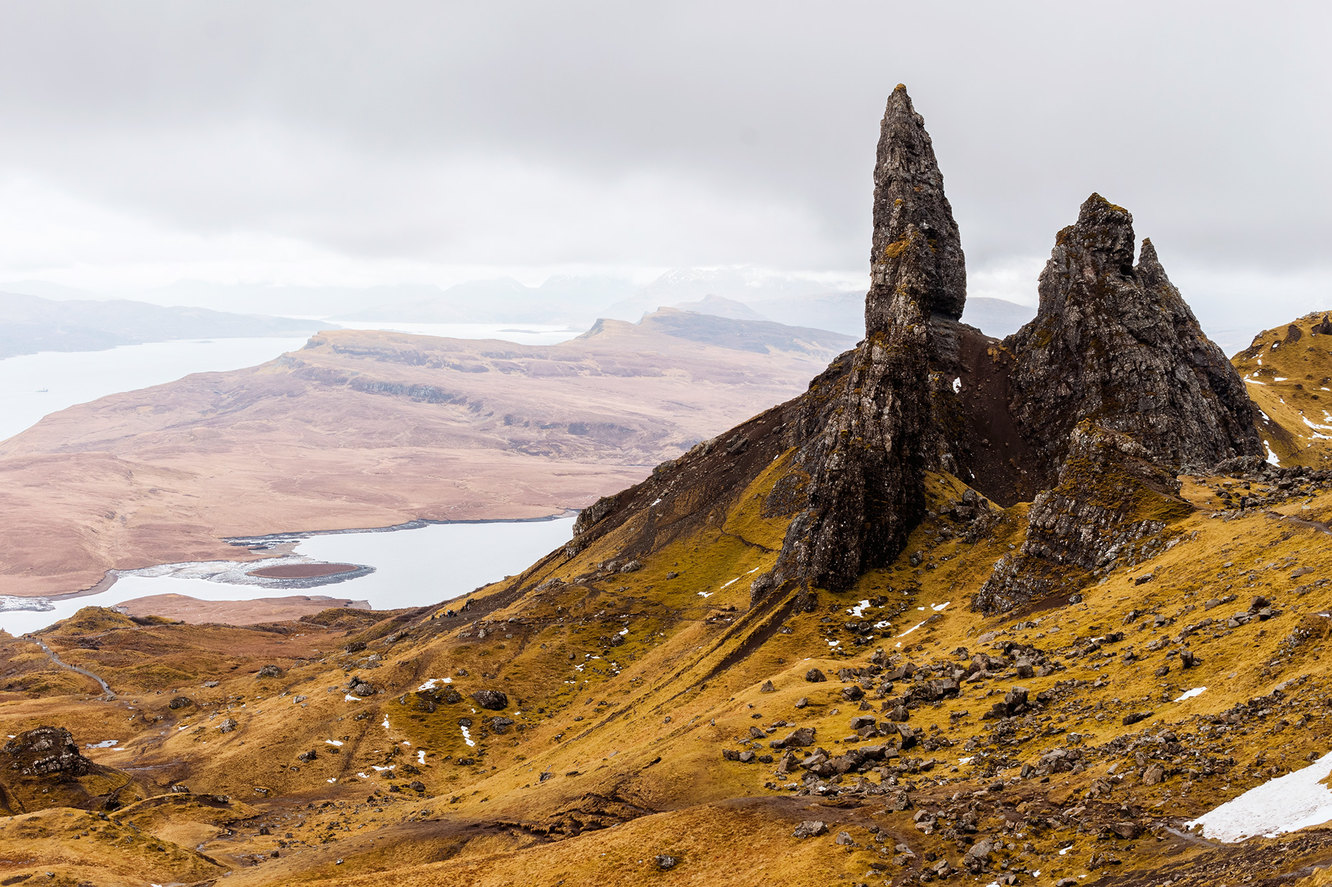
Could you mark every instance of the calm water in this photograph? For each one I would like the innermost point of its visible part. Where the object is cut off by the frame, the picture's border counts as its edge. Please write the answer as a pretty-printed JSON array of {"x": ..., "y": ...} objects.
[
  {"x": 34, "y": 385},
  {"x": 413, "y": 568}
]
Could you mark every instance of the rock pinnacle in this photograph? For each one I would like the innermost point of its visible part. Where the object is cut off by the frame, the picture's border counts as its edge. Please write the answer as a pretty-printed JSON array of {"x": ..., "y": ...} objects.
[{"x": 916, "y": 251}]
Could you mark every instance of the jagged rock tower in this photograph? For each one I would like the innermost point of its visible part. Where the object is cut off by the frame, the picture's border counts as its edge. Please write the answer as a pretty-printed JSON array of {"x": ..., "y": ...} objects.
[
  {"x": 1115, "y": 389},
  {"x": 1116, "y": 343},
  {"x": 862, "y": 435},
  {"x": 1089, "y": 411}
]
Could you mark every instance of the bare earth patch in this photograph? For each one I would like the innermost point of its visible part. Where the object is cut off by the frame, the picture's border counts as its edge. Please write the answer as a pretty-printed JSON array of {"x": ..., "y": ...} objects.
[
  {"x": 270, "y": 609},
  {"x": 303, "y": 571}
]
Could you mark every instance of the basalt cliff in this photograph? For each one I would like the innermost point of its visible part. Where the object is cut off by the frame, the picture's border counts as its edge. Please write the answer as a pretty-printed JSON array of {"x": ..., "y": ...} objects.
[{"x": 1045, "y": 610}]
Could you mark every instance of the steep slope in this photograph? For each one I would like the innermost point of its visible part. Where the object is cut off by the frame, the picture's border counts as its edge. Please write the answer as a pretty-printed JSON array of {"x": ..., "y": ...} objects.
[
  {"x": 1287, "y": 371},
  {"x": 362, "y": 429}
]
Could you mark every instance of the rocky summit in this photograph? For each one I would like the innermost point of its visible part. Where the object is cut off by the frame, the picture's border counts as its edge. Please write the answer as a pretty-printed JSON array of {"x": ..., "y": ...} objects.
[
  {"x": 1042, "y": 611},
  {"x": 1114, "y": 342}
]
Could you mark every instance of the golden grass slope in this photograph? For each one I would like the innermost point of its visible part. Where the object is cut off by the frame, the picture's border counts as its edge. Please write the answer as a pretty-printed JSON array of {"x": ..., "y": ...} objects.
[
  {"x": 1288, "y": 373},
  {"x": 632, "y": 663},
  {"x": 614, "y": 757}
]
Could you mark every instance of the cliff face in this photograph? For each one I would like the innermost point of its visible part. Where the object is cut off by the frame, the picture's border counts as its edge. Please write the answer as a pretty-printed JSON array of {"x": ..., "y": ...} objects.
[
  {"x": 916, "y": 250},
  {"x": 1116, "y": 343},
  {"x": 1088, "y": 411},
  {"x": 863, "y": 435},
  {"x": 1115, "y": 388}
]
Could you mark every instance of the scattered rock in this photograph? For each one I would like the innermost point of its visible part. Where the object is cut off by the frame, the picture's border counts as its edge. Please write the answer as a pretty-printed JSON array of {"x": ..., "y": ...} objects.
[
  {"x": 492, "y": 700},
  {"x": 810, "y": 828}
]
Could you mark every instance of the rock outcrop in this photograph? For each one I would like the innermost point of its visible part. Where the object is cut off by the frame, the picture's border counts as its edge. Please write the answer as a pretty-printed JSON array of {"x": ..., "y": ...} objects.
[
  {"x": 1116, "y": 343},
  {"x": 45, "y": 751},
  {"x": 1089, "y": 411},
  {"x": 1110, "y": 508},
  {"x": 864, "y": 429},
  {"x": 916, "y": 249},
  {"x": 1115, "y": 388}
]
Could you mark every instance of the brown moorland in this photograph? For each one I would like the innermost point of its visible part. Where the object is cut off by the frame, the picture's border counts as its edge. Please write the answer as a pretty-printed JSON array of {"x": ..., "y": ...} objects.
[{"x": 369, "y": 429}]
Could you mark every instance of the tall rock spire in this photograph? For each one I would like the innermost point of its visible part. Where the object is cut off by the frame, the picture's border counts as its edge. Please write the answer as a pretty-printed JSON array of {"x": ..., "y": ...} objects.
[
  {"x": 864, "y": 431},
  {"x": 916, "y": 251}
]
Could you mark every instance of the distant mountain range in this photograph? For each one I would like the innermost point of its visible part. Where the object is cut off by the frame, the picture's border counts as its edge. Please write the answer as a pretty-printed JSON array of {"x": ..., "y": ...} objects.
[
  {"x": 29, "y": 324},
  {"x": 800, "y": 300},
  {"x": 370, "y": 428}
]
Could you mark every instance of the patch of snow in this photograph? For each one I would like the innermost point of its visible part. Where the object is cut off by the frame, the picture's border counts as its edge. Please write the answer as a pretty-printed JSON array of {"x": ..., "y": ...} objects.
[
  {"x": 420, "y": 753},
  {"x": 911, "y": 629},
  {"x": 732, "y": 582},
  {"x": 363, "y": 775},
  {"x": 379, "y": 769},
  {"x": 859, "y": 609},
  {"x": 467, "y": 738},
  {"x": 655, "y": 503},
  {"x": 1253, "y": 381},
  {"x": 1271, "y": 456},
  {"x": 957, "y": 385},
  {"x": 105, "y": 743},
  {"x": 386, "y": 723},
  {"x": 939, "y": 607},
  {"x": 1189, "y": 694},
  {"x": 834, "y": 643},
  {"x": 705, "y": 594},
  {"x": 624, "y": 632},
  {"x": 351, "y": 698},
  {"x": 337, "y": 742},
  {"x": 1285, "y": 804},
  {"x": 965, "y": 760},
  {"x": 1064, "y": 852},
  {"x": 332, "y": 779},
  {"x": 884, "y": 624},
  {"x": 1278, "y": 378},
  {"x": 1266, "y": 418}
]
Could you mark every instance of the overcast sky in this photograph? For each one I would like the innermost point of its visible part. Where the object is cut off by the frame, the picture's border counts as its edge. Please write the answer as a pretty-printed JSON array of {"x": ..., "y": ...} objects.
[{"x": 357, "y": 142}]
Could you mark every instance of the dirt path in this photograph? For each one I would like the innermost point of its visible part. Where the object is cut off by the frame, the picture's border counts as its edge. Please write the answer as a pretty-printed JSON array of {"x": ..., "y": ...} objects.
[
  {"x": 106, "y": 688},
  {"x": 1313, "y": 525}
]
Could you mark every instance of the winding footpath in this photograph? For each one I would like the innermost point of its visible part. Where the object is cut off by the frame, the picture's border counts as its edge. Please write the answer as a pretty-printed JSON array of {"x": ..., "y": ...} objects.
[{"x": 106, "y": 688}]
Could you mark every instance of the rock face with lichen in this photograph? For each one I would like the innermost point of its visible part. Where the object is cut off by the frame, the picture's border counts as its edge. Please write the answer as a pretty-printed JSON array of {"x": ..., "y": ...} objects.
[
  {"x": 916, "y": 251},
  {"x": 862, "y": 432},
  {"x": 1115, "y": 388},
  {"x": 1110, "y": 508},
  {"x": 1116, "y": 343}
]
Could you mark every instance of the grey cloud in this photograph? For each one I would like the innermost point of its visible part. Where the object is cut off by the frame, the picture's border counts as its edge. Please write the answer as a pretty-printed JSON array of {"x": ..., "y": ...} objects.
[{"x": 411, "y": 129}]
